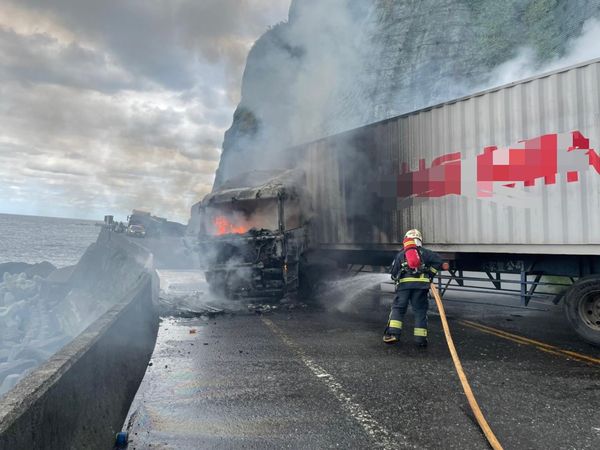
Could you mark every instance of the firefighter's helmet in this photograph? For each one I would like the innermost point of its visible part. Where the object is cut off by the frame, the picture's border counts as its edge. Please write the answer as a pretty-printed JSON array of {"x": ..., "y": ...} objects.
[{"x": 414, "y": 234}]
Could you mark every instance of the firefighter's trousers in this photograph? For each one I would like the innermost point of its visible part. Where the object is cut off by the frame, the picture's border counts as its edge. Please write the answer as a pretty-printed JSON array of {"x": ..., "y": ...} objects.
[{"x": 419, "y": 303}]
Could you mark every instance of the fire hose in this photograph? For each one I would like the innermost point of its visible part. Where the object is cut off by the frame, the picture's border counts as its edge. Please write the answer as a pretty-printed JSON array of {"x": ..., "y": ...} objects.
[{"x": 487, "y": 431}]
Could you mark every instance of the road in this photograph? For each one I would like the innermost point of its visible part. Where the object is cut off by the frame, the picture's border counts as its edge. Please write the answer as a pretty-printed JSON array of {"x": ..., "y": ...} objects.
[{"x": 320, "y": 377}]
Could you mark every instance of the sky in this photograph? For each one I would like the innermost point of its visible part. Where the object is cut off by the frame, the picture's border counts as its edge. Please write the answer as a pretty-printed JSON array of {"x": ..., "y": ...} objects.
[{"x": 111, "y": 105}]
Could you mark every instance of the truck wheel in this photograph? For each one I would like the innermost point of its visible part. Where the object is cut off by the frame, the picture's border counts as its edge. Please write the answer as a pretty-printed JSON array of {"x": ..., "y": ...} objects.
[{"x": 582, "y": 308}]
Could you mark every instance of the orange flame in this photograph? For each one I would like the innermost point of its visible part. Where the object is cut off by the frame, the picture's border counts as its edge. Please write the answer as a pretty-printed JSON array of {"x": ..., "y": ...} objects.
[{"x": 224, "y": 226}]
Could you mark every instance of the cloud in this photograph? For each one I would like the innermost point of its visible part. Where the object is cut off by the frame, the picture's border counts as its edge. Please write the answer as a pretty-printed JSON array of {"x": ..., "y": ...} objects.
[
  {"x": 109, "y": 106},
  {"x": 166, "y": 41},
  {"x": 41, "y": 58},
  {"x": 97, "y": 146}
]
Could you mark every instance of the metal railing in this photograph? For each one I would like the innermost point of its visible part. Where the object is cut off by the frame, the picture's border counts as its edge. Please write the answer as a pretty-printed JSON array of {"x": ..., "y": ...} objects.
[{"x": 526, "y": 289}]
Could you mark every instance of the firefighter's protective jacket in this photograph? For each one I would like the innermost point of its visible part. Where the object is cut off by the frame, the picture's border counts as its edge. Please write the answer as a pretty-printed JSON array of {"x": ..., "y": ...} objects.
[{"x": 407, "y": 278}]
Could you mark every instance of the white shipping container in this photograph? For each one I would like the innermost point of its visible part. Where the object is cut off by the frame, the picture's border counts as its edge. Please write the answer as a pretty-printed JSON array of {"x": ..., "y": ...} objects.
[{"x": 545, "y": 200}]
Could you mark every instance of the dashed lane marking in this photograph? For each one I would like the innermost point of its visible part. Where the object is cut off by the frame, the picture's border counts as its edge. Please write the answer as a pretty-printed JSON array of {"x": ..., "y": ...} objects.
[
  {"x": 380, "y": 435},
  {"x": 531, "y": 342}
]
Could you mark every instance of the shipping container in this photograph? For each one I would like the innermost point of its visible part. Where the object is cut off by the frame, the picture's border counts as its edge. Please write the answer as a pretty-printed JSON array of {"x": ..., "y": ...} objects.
[{"x": 502, "y": 181}]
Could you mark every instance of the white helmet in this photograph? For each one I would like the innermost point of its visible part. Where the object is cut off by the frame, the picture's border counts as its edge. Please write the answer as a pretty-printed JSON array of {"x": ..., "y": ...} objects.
[{"x": 416, "y": 235}]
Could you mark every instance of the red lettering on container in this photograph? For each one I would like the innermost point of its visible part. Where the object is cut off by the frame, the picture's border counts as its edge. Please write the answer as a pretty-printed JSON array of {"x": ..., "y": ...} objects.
[{"x": 442, "y": 178}]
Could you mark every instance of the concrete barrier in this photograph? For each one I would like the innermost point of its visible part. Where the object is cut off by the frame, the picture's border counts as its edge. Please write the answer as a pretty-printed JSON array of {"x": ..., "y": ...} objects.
[{"x": 79, "y": 398}]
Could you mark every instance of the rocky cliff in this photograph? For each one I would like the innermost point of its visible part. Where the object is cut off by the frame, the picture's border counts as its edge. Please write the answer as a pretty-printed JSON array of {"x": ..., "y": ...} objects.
[{"x": 338, "y": 64}]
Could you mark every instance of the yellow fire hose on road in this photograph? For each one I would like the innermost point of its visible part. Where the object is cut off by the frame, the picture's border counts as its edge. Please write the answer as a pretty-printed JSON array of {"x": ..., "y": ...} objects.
[{"x": 487, "y": 431}]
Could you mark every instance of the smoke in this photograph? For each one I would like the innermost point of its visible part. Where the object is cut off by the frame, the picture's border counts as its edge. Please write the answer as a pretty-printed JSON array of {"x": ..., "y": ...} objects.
[
  {"x": 304, "y": 79},
  {"x": 577, "y": 50},
  {"x": 186, "y": 292},
  {"x": 340, "y": 64}
]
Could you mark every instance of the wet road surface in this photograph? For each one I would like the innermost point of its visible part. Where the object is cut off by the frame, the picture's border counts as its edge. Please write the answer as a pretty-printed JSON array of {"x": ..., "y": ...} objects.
[{"x": 321, "y": 378}]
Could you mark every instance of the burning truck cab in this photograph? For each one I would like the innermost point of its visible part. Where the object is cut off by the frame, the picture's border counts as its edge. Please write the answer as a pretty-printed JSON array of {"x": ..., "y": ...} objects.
[{"x": 251, "y": 239}]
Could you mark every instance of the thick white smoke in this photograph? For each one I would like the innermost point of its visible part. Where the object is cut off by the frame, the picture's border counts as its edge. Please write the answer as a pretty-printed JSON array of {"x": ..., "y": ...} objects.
[
  {"x": 340, "y": 64},
  {"x": 304, "y": 79},
  {"x": 580, "y": 49}
]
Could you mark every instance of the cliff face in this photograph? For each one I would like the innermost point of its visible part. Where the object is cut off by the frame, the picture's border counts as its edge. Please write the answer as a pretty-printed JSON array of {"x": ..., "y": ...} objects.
[{"x": 338, "y": 64}]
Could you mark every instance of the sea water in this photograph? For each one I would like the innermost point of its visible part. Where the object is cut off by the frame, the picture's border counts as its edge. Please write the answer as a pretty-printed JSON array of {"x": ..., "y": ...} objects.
[{"x": 34, "y": 239}]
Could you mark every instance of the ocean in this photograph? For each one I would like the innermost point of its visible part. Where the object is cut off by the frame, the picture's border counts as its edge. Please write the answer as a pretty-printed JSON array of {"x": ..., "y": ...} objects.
[{"x": 34, "y": 239}]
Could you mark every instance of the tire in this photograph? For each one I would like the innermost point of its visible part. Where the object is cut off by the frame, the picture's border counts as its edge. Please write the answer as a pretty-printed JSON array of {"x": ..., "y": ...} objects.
[{"x": 582, "y": 308}]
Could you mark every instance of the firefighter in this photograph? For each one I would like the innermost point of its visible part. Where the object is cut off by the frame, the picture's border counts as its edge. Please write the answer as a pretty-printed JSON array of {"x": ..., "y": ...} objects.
[{"x": 412, "y": 271}]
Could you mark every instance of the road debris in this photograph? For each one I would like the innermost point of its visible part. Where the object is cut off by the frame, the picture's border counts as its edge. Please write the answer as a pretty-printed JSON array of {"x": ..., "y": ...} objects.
[
  {"x": 189, "y": 305},
  {"x": 261, "y": 308}
]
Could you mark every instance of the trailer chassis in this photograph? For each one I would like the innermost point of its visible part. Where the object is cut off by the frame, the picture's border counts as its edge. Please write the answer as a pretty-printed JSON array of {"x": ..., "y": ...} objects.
[
  {"x": 526, "y": 289},
  {"x": 522, "y": 275}
]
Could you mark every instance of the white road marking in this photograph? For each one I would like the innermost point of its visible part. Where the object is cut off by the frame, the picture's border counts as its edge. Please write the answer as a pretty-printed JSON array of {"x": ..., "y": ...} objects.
[{"x": 382, "y": 437}]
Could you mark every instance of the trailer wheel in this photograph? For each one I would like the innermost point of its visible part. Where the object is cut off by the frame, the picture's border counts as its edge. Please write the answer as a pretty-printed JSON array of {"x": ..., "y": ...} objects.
[{"x": 582, "y": 308}]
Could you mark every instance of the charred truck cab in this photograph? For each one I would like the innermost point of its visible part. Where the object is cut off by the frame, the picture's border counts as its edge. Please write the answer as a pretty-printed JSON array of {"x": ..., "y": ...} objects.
[{"x": 251, "y": 240}]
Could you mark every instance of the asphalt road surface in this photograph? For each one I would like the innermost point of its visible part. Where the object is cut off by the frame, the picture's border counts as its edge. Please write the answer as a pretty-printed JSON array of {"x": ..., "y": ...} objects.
[{"x": 320, "y": 377}]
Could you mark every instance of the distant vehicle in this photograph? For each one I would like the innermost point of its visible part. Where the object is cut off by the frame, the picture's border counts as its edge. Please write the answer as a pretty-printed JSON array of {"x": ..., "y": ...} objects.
[
  {"x": 155, "y": 227},
  {"x": 136, "y": 231}
]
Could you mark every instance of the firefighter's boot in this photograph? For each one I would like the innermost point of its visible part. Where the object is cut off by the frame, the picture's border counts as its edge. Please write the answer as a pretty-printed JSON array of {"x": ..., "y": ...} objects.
[
  {"x": 421, "y": 337},
  {"x": 391, "y": 338},
  {"x": 391, "y": 335},
  {"x": 421, "y": 342}
]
